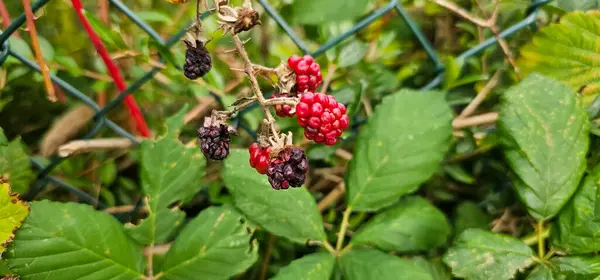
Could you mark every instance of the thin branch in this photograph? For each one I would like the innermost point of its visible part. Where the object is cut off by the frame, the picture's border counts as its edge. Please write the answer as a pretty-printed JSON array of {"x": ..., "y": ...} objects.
[
  {"x": 6, "y": 21},
  {"x": 487, "y": 118},
  {"x": 267, "y": 258},
  {"x": 481, "y": 96},
  {"x": 292, "y": 101},
  {"x": 38, "y": 52},
  {"x": 343, "y": 227},
  {"x": 332, "y": 197},
  {"x": 463, "y": 13},
  {"x": 329, "y": 78},
  {"x": 254, "y": 84},
  {"x": 343, "y": 154},
  {"x": 82, "y": 146}
]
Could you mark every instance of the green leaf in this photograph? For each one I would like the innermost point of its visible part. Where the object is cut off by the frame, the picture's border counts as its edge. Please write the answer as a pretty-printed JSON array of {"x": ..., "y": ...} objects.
[
  {"x": 289, "y": 213},
  {"x": 174, "y": 124},
  {"x": 317, "y": 266},
  {"x": 14, "y": 164},
  {"x": 46, "y": 48},
  {"x": 360, "y": 264},
  {"x": 170, "y": 173},
  {"x": 73, "y": 241},
  {"x": 566, "y": 51},
  {"x": 4, "y": 271},
  {"x": 153, "y": 16},
  {"x": 470, "y": 215},
  {"x": 12, "y": 213},
  {"x": 394, "y": 145},
  {"x": 479, "y": 254},
  {"x": 542, "y": 123},
  {"x": 110, "y": 37},
  {"x": 397, "y": 229},
  {"x": 581, "y": 5},
  {"x": 577, "y": 267},
  {"x": 318, "y": 12},
  {"x": 214, "y": 245},
  {"x": 542, "y": 272},
  {"x": 578, "y": 227},
  {"x": 352, "y": 54}
]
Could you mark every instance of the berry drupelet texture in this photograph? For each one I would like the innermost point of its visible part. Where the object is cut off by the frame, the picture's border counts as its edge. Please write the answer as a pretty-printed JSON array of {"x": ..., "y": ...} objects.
[
  {"x": 308, "y": 73},
  {"x": 288, "y": 169},
  {"x": 282, "y": 110},
  {"x": 259, "y": 158},
  {"x": 197, "y": 60},
  {"x": 322, "y": 117},
  {"x": 214, "y": 141}
]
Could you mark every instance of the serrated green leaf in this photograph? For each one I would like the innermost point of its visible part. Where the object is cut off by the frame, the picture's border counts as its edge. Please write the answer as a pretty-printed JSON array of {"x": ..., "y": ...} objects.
[
  {"x": 73, "y": 241},
  {"x": 578, "y": 5},
  {"x": 175, "y": 123},
  {"x": 12, "y": 214},
  {"x": 479, "y": 254},
  {"x": 407, "y": 138},
  {"x": 397, "y": 228},
  {"x": 14, "y": 164},
  {"x": 470, "y": 215},
  {"x": 215, "y": 245},
  {"x": 317, "y": 11},
  {"x": 542, "y": 123},
  {"x": 360, "y": 264},
  {"x": 317, "y": 266},
  {"x": 4, "y": 271},
  {"x": 170, "y": 173},
  {"x": 542, "y": 272},
  {"x": 566, "y": 51},
  {"x": 290, "y": 213},
  {"x": 577, "y": 267},
  {"x": 578, "y": 227},
  {"x": 436, "y": 270}
]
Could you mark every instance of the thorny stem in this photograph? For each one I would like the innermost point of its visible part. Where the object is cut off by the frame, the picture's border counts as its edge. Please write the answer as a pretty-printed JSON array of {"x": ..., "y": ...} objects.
[
  {"x": 343, "y": 227},
  {"x": 540, "y": 238},
  {"x": 239, "y": 46}
]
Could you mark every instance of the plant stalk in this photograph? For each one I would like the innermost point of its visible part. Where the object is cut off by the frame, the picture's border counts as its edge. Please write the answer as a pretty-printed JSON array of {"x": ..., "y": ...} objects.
[
  {"x": 343, "y": 228},
  {"x": 540, "y": 238}
]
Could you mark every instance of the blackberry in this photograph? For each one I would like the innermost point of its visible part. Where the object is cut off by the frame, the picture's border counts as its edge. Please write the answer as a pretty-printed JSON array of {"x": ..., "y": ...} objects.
[
  {"x": 288, "y": 169},
  {"x": 197, "y": 60},
  {"x": 214, "y": 141}
]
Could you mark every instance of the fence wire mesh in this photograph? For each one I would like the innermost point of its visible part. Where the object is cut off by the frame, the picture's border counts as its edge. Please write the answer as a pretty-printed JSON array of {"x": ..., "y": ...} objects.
[{"x": 101, "y": 120}]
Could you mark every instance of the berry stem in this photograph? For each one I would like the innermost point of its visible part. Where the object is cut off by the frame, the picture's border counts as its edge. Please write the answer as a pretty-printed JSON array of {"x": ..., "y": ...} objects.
[
  {"x": 343, "y": 228},
  {"x": 249, "y": 69}
]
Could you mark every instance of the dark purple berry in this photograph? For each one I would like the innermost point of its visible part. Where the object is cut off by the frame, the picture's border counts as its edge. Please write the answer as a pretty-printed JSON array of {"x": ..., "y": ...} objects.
[
  {"x": 197, "y": 60},
  {"x": 214, "y": 141},
  {"x": 288, "y": 169}
]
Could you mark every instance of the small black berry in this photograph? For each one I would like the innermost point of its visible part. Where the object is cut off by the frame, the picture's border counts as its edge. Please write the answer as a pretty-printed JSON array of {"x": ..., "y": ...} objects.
[
  {"x": 288, "y": 169},
  {"x": 214, "y": 141},
  {"x": 197, "y": 60}
]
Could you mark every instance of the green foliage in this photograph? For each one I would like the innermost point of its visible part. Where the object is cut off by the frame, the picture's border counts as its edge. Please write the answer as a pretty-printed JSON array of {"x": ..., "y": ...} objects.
[
  {"x": 397, "y": 229},
  {"x": 292, "y": 213},
  {"x": 318, "y": 12},
  {"x": 14, "y": 164},
  {"x": 317, "y": 266},
  {"x": 13, "y": 214},
  {"x": 392, "y": 144},
  {"x": 214, "y": 245},
  {"x": 373, "y": 264},
  {"x": 69, "y": 241},
  {"x": 581, "y": 5},
  {"x": 566, "y": 51},
  {"x": 479, "y": 254},
  {"x": 543, "y": 122}
]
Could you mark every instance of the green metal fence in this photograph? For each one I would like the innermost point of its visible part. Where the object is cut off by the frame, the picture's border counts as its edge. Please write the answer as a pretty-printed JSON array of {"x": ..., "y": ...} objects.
[{"x": 101, "y": 120}]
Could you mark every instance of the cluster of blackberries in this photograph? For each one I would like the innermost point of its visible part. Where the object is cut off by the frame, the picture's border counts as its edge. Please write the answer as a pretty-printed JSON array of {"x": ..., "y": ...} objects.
[
  {"x": 197, "y": 60},
  {"x": 214, "y": 141},
  {"x": 285, "y": 169}
]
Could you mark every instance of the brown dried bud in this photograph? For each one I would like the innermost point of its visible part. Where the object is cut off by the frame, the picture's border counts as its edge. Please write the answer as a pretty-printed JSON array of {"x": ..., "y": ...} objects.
[{"x": 247, "y": 18}]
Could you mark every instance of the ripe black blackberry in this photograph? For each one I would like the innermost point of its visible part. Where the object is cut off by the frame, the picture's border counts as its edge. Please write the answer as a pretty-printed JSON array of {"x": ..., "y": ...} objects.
[
  {"x": 288, "y": 169},
  {"x": 214, "y": 141},
  {"x": 197, "y": 60}
]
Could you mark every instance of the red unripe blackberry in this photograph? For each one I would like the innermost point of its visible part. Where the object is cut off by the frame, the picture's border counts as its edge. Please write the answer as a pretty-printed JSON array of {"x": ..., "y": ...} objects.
[
  {"x": 214, "y": 141},
  {"x": 288, "y": 169},
  {"x": 308, "y": 73},
  {"x": 322, "y": 117},
  {"x": 259, "y": 158},
  {"x": 197, "y": 60},
  {"x": 282, "y": 110}
]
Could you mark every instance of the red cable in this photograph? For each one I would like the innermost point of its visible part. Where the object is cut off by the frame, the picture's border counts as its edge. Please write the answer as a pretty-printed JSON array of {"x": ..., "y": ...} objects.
[{"x": 134, "y": 110}]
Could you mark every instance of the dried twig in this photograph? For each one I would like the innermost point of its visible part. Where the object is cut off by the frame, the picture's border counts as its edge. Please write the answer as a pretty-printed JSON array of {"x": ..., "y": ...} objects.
[
  {"x": 329, "y": 78},
  {"x": 487, "y": 118},
  {"x": 38, "y": 52},
  {"x": 343, "y": 154},
  {"x": 82, "y": 146},
  {"x": 67, "y": 126},
  {"x": 481, "y": 96},
  {"x": 463, "y": 13},
  {"x": 332, "y": 197}
]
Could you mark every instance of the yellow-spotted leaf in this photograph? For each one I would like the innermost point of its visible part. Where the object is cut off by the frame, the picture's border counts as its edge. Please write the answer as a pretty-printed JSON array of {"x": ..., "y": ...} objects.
[
  {"x": 12, "y": 214},
  {"x": 568, "y": 51}
]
